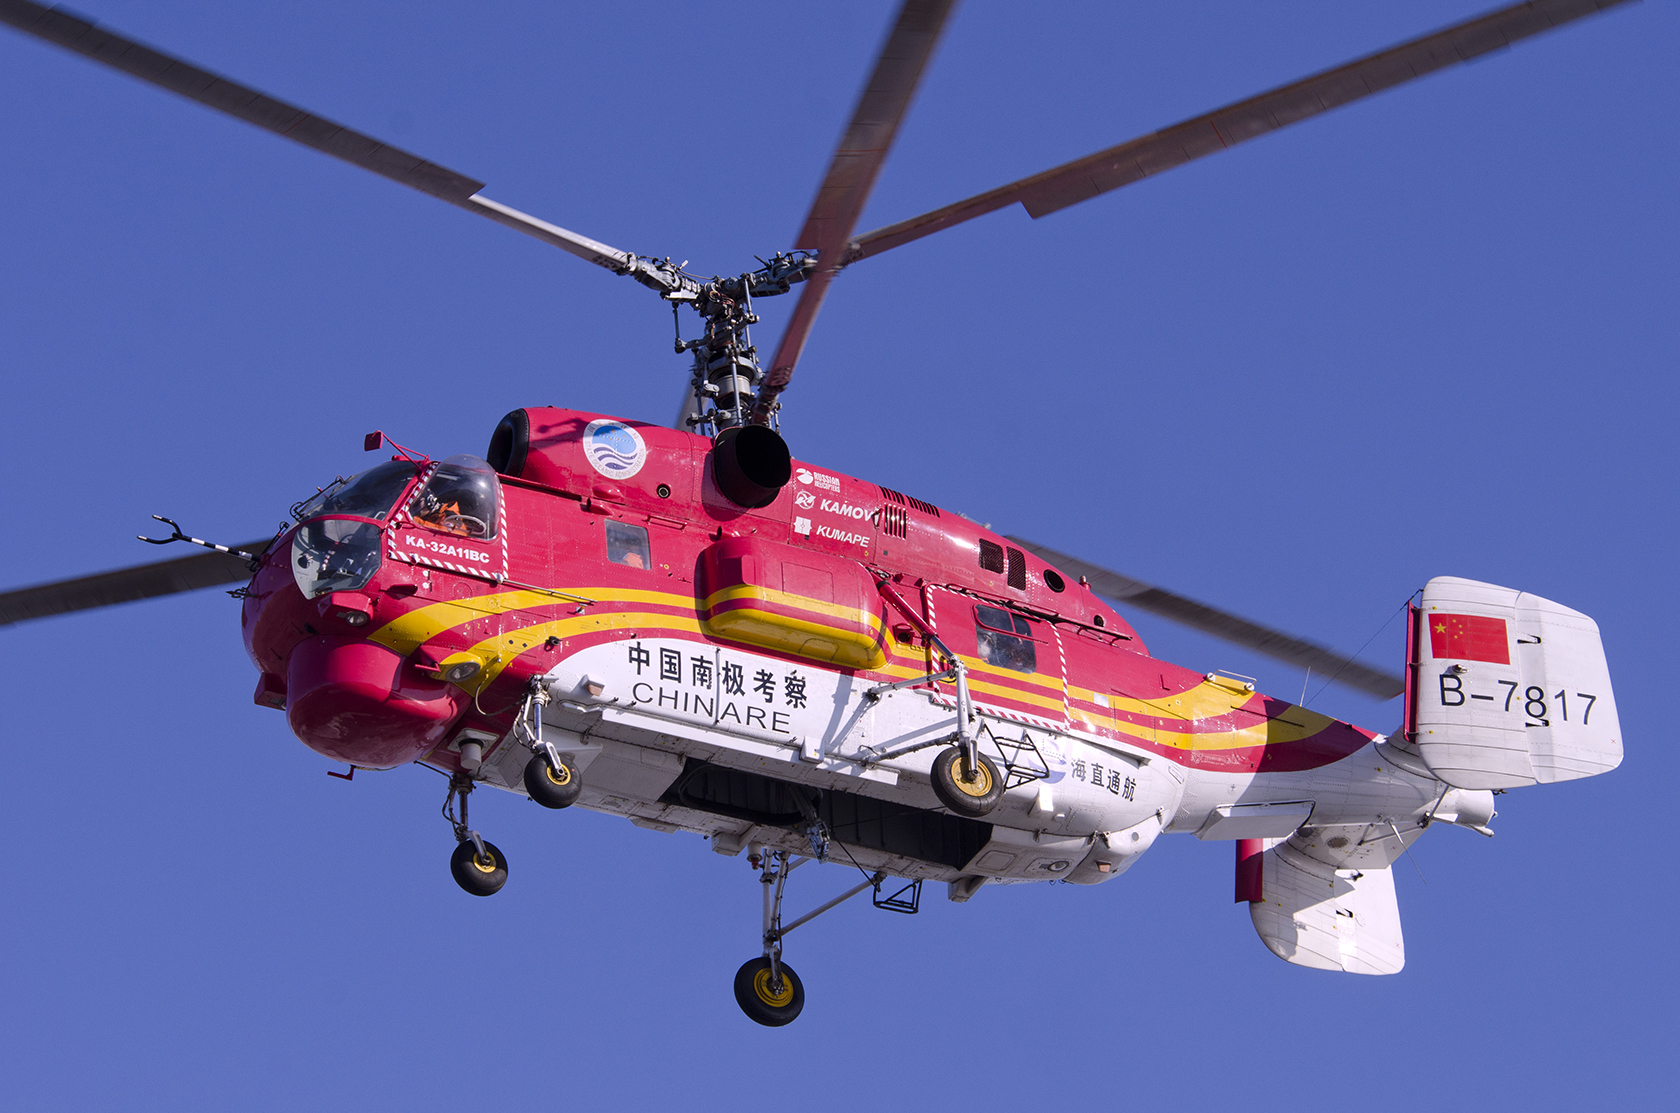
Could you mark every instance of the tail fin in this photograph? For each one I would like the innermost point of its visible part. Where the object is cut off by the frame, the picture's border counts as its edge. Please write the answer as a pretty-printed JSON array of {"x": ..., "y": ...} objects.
[
  {"x": 1311, "y": 913},
  {"x": 1507, "y": 689}
]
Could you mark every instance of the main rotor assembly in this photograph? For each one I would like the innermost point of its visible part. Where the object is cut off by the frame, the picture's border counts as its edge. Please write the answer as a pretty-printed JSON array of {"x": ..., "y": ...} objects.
[
  {"x": 730, "y": 392},
  {"x": 728, "y": 387}
]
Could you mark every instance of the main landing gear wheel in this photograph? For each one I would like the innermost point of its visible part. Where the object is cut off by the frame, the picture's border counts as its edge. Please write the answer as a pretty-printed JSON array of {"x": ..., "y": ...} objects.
[
  {"x": 762, "y": 1000},
  {"x": 482, "y": 877},
  {"x": 550, "y": 785},
  {"x": 972, "y": 795}
]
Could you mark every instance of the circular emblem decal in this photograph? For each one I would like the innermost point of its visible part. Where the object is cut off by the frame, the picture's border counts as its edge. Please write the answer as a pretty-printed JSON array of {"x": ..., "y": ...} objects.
[
  {"x": 805, "y": 500},
  {"x": 803, "y": 476},
  {"x": 613, "y": 448}
]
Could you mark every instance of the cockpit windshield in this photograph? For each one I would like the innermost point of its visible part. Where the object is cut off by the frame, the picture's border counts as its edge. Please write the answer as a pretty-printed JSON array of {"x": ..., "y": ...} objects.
[
  {"x": 371, "y": 494},
  {"x": 460, "y": 498}
]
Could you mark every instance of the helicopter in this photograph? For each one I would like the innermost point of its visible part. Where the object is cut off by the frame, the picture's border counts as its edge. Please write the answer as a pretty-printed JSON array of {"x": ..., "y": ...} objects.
[{"x": 989, "y": 719}]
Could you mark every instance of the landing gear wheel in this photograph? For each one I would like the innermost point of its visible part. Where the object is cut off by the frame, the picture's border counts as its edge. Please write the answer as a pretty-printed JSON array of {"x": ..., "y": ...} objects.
[
  {"x": 479, "y": 877},
  {"x": 973, "y": 796},
  {"x": 763, "y": 1002},
  {"x": 550, "y": 786}
]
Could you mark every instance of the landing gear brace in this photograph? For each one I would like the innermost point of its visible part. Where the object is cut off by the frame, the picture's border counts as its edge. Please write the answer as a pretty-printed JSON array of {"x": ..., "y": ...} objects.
[{"x": 766, "y": 988}]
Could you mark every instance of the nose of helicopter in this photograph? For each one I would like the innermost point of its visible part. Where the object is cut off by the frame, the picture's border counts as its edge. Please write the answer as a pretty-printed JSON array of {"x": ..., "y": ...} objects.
[{"x": 357, "y": 702}]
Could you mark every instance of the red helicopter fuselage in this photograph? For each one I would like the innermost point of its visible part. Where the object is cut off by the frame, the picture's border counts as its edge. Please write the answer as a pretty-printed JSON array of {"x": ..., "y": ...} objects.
[{"x": 596, "y": 542}]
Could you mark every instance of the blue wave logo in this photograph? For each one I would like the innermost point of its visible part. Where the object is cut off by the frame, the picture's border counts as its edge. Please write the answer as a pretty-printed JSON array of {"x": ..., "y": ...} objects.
[{"x": 614, "y": 449}]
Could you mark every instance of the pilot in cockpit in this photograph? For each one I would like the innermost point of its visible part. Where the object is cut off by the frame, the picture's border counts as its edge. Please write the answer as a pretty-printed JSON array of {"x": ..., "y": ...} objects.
[{"x": 460, "y": 498}]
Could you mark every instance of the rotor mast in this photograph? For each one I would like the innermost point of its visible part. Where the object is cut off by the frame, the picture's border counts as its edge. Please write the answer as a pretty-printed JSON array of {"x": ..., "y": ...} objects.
[{"x": 726, "y": 378}]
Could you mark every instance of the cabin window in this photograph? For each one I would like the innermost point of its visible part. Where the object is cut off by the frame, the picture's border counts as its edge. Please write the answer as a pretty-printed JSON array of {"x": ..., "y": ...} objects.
[
  {"x": 461, "y": 497},
  {"x": 1005, "y": 639},
  {"x": 628, "y": 544},
  {"x": 368, "y": 495}
]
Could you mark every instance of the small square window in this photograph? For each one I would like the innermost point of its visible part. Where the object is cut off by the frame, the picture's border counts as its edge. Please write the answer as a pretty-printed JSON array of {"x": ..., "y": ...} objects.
[{"x": 628, "y": 544}]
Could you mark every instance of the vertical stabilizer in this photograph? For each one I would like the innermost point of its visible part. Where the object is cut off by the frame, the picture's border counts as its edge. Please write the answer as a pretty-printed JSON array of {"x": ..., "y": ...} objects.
[
  {"x": 1313, "y": 914},
  {"x": 1509, "y": 689}
]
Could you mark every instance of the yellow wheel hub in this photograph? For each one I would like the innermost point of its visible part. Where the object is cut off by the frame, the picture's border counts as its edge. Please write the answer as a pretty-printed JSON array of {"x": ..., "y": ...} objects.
[
  {"x": 761, "y": 986},
  {"x": 485, "y": 865},
  {"x": 979, "y": 785},
  {"x": 561, "y": 776}
]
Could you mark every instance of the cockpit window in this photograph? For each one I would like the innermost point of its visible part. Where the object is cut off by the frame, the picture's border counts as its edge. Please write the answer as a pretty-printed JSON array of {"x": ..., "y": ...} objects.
[
  {"x": 1005, "y": 639},
  {"x": 459, "y": 498},
  {"x": 370, "y": 494}
]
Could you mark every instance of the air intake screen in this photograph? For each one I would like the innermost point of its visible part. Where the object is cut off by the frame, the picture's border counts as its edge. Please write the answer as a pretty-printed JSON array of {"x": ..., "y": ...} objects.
[
  {"x": 895, "y": 522},
  {"x": 927, "y": 508},
  {"x": 1017, "y": 569},
  {"x": 991, "y": 556}
]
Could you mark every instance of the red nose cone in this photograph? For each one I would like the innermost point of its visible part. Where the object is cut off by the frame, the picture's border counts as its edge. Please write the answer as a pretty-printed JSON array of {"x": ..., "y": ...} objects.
[{"x": 355, "y": 702}]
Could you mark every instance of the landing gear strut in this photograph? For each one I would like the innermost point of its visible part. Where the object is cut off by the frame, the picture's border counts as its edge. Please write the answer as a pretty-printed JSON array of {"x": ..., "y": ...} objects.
[
  {"x": 766, "y": 988},
  {"x": 477, "y": 866},
  {"x": 550, "y": 779}
]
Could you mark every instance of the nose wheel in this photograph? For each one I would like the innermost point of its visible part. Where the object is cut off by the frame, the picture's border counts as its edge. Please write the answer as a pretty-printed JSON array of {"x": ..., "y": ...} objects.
[
  {"x": 551, "y": 780},
  {"x": 477, "y": 866}
]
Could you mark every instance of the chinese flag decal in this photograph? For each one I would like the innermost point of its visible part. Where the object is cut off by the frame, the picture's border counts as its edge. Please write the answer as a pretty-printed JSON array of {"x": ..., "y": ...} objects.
[{"x": 1469, "y": 637}]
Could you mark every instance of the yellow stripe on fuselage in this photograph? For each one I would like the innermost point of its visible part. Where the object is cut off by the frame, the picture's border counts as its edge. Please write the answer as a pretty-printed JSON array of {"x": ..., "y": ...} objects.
[
  {"x": 498, "y": 652},
  {"x": 406, "y": 633},
  {"x": 1207, "y": 700},
  {"x": 797, "y": 602}
]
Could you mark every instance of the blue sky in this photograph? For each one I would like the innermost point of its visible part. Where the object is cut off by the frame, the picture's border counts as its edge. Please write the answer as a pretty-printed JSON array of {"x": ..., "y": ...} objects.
[{"x": 1432, "y": 333}]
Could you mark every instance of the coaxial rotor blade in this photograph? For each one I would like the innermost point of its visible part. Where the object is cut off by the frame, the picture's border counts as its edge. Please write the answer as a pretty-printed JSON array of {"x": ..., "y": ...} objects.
[
  {"x": 851, "y": 175},
  {"x": 1140, "y": 158},
  {"x": 125, "y": 585},
  {"x": 1327, "y": 663},
  {"x": 294, "y": 123}
]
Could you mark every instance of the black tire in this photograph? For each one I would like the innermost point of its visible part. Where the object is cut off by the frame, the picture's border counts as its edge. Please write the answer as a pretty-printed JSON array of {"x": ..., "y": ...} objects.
[
  {"x": 470, "y": 873},
  {"x": 973, "y": 797},
  {"x": 551, "y": 787},
  {"x": 762, "y": 1004}
]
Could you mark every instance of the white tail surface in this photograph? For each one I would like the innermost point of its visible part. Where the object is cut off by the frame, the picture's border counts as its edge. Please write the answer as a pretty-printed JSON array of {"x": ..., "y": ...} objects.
[
  {"x": 1510, "y": 689},
  {"x": 1317, "y": 915}
]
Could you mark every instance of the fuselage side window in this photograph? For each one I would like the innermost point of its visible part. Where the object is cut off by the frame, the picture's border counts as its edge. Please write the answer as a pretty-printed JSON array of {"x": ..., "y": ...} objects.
[
  {"x": 1005, "y": 639},
  {"x": 628, "y": 544}
]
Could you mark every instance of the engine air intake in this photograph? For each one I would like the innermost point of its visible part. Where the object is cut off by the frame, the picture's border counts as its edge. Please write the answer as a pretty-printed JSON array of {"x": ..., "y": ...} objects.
[
  {"x": 510, "y": 444},
  {"x": 1017, "y": 569},
  {"x": 751, "y": 464}
]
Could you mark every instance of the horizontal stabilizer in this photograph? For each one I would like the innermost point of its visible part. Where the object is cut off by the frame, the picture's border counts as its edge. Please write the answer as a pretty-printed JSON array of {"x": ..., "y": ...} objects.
[
  {"x": 1313, "y": 914},
  {"x": 1509, "y": 689}
]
